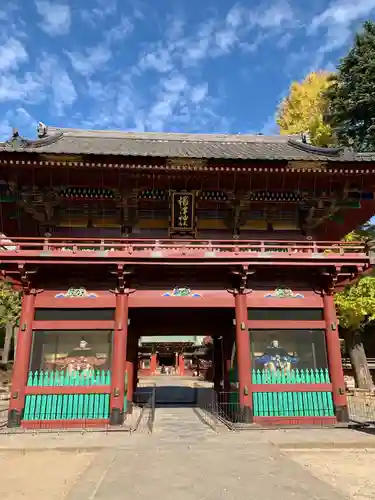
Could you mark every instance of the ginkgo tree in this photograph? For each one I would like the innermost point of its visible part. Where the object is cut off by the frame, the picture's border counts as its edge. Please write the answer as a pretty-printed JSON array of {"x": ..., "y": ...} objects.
[
  {"x": 10, "y": 309},
  {"x": 303, "y": 110},
  {"x": 10, "y": 304},
  {"x": 356, "y": 309}
]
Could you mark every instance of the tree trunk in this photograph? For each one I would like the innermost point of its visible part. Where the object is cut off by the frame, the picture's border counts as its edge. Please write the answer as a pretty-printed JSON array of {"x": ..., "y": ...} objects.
[
  {"x": 7, "y": 342},
  {"x": 356, "y": 351}
]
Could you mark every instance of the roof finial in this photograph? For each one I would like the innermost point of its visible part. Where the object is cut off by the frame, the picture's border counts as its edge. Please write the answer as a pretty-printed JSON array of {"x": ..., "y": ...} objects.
[
  {"x": 41, "y": 130},
  {"x": 15, "y": 133}
]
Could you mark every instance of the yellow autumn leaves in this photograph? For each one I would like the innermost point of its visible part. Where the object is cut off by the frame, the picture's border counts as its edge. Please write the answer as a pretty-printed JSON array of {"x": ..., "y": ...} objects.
[{"x": 303, "y": 111}]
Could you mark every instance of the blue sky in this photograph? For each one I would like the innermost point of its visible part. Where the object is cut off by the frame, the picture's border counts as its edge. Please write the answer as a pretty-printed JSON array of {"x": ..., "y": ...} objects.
[{"x": 163, "y": 65}]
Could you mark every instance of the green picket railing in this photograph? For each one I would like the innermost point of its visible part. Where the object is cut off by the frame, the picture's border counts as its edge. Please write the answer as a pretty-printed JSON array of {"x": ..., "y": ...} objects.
[
  {"x": 68, "y": 406},
  {"x": 289, "y": 403},
  {"x": 318, "y": 376},
  {"x": 68, "y": 378},
  {"x": 293, "y": 404}
]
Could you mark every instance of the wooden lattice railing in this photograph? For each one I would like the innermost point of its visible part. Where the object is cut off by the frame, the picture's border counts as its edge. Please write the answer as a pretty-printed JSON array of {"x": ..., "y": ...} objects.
[{"x": 49, "y": 247}]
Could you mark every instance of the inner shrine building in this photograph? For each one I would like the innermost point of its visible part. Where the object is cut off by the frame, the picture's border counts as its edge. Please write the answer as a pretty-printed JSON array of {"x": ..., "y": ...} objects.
[{"x": 113, "y": 236}]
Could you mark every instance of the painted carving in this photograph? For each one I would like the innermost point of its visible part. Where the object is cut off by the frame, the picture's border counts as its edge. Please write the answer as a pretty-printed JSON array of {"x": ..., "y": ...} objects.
[
  {"x": 277, "y": 359},
  {"x": 81, "y": 359},
  {"x": 76, "y": 293},
  {"x": 181, "y": 292},
  {"x": 284, "y": 293}
]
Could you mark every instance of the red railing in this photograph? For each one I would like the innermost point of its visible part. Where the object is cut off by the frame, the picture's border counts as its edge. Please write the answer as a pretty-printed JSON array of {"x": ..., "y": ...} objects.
[{"x": 173, "y": 248}]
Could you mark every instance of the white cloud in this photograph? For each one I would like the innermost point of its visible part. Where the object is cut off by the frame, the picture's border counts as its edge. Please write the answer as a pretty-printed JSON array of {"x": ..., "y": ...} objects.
[
  {"x": 337, "y": 21},
  {"x": 62, "y": 90},
  {"x": 12, "y": 54},
  {"x": 199, "y": 92},
  {"x": 19, "y": 119},
  {"x": 100, "y": 9},
  {"x": 56, "y": 17},
  {"x": 273, "y": 16},
  {"x": 28, "y": 89},
  {"x": 234, "y": 17},
  {"x": 119, "y": 31},
  {"x": 92, "y": 60},
  {"x": 158, "y": 59},
  {"x": 284, "y": 41}
]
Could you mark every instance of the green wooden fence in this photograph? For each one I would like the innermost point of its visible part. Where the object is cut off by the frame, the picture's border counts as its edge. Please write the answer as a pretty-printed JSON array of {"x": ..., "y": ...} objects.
[
  {"x": 290, "y": 403},
  {"x": 68, "y": 406},
  {"x": 68, "y": 378},
  {"x": 317, "y": 376}
]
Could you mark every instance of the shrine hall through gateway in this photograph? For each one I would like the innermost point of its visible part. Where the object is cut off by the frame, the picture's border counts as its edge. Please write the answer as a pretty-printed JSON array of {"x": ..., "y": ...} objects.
[{"x": 214, "y": 257}]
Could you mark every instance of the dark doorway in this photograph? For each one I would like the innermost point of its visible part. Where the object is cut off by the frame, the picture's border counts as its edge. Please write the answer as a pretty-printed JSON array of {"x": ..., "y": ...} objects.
[
  {"x": 167, "y": 359},
  {"x": 177, "y": 325},
  {"x": 201, "y": 321}
]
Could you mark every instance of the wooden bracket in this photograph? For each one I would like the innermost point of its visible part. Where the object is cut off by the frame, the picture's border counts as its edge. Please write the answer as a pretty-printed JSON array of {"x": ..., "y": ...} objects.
[
  {"x": 240, "y": 279},
  {"x": 25, "y": 279},
  {"x": 122, "y": 274}
]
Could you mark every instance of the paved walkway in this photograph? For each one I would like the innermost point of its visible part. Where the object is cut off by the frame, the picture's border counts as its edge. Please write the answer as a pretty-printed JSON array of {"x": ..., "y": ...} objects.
[{"x": 185, "y": 459}]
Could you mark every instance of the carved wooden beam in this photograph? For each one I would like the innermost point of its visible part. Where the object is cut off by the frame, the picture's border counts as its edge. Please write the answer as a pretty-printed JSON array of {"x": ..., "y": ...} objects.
[
  {"x": 123, "y": 275},
  {"x": 240, "y": 277},
  {"x": 25, "y": 278}
]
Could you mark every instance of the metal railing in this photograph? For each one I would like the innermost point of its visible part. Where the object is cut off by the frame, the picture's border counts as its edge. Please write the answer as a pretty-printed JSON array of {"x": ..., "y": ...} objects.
[
  {"x": 144, "y": 404},
  {"x": 146, "y": 248},
  {"x": 207, "y": 406},
  {"x": 347, "y": 364},
  {"x": 361, "y": 407},
  {"x": 218, "y": 410}
]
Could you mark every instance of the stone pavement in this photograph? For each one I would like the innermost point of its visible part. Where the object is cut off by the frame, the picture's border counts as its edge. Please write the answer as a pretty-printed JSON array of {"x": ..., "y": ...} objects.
[{"x": 184, "y": 459}]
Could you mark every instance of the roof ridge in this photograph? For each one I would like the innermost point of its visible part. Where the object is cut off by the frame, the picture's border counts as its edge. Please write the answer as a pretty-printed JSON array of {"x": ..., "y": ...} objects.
[{"x": 170, "y": 136}]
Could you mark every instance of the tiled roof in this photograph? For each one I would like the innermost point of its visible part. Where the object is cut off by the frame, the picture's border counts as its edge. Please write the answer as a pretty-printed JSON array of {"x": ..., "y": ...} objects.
[{"x": 174, "y": 145}]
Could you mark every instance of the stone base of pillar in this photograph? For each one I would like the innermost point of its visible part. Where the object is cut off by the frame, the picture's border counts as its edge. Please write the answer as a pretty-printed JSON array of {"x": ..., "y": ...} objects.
[
  {"x": 246, "y": 415},
  {"x": 14, "y": 418},
  {"x": 342, "y": 414},
  {"x": 116, "y": 417},
  {"x": 129, "y": 406}
]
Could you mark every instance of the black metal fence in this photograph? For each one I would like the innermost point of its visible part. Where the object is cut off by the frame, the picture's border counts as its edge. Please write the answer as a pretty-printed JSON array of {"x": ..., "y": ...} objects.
[
  {"x": 221, "y": 409},
  {"x": 143, "y": 415},
  {"x": 361, "y": 407}
]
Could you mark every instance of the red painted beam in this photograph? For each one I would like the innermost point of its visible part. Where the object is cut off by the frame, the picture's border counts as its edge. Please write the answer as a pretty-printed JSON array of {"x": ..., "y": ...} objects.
[
  {"x": 73, "y": 325},
  {"x": 65, "y": 424},
  {"x": 285, "y": 325},
  {"x": 363, "y": 262},
  {"x": 275, "y": 421},
  {"x": 47, "y": 300},
  {"x": 291, "y": 388},
  {"x": 72, "y": 389}
]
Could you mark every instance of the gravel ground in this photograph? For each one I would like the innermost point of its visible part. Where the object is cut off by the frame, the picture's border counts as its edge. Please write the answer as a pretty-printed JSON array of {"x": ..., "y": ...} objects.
[
  {"x": 349, "y": 471},
  {"x": 40, "y": 476}
]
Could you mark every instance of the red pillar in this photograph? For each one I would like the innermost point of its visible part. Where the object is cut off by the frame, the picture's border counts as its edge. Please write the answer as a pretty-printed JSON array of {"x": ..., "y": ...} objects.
[
  {"x": 130, "y": 386},
  {"x": 181, "y": 365},
  {"x": 243, "y": 357},
  {"x": 136, "y": 367},
  {"x": 153, "y": 364},
  {"x": 334, "y": 359},
  {"x": 130, "y": 371},
  {"x": 22, "y": 361},
  {"x": 120, "y": 340},
  {"x": 227, "y": 347},
  {"x": 217, "y": 363}
]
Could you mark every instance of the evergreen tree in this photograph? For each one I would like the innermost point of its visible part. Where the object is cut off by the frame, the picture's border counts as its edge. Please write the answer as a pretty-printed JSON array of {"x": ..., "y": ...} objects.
[{"x": 351, "y": 95}]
